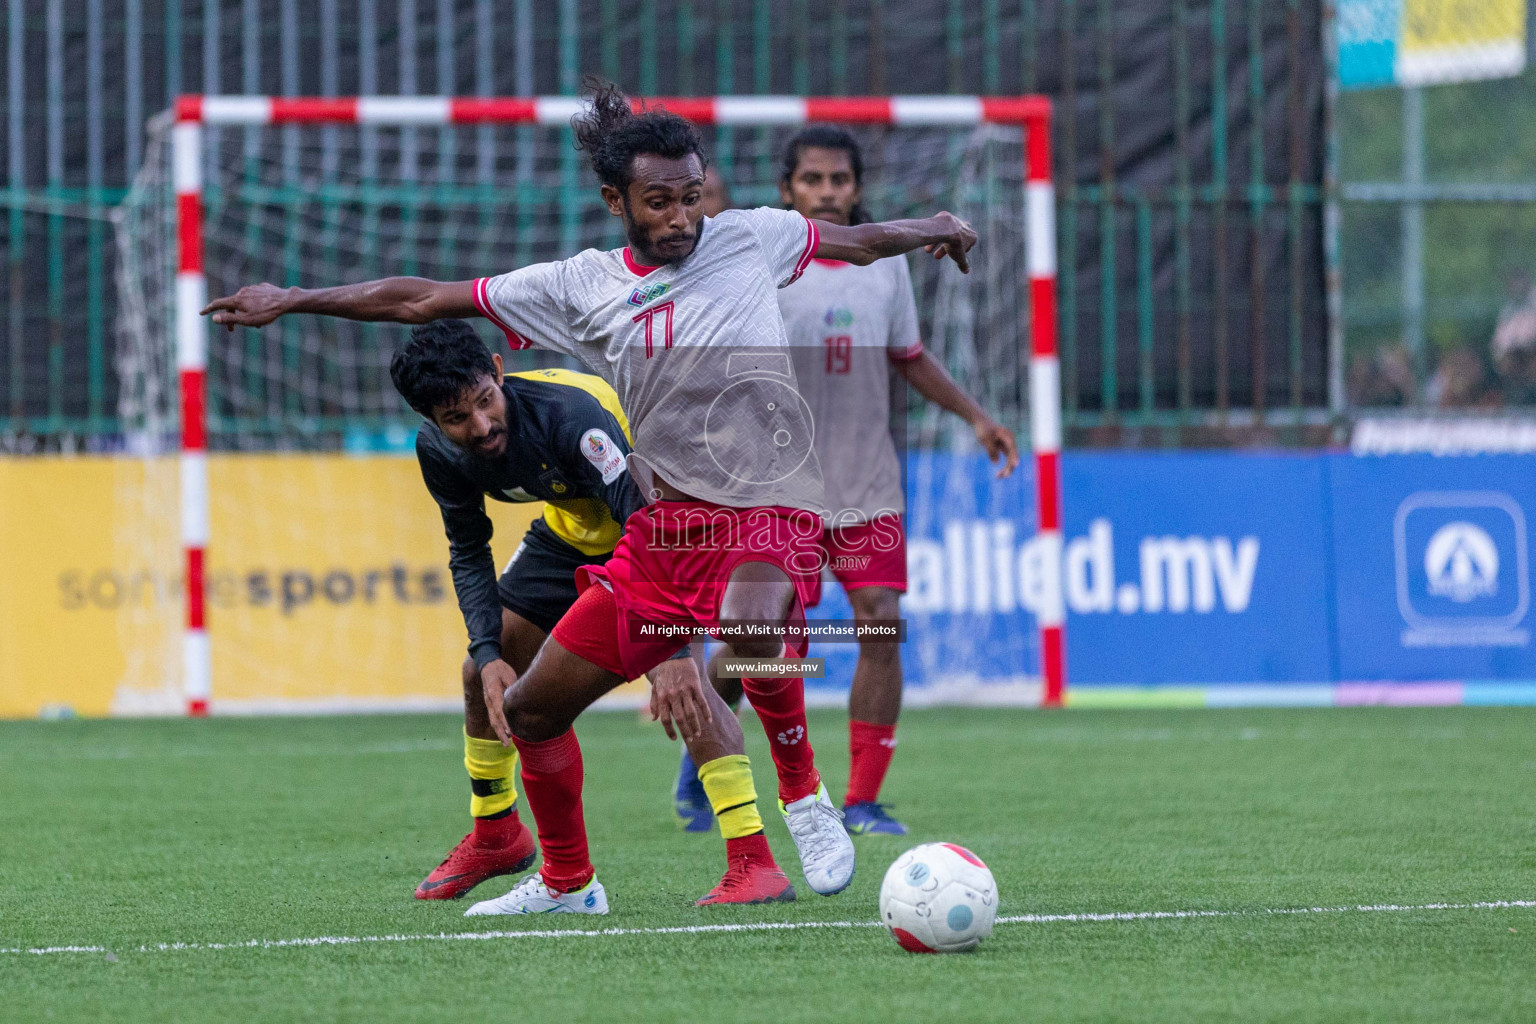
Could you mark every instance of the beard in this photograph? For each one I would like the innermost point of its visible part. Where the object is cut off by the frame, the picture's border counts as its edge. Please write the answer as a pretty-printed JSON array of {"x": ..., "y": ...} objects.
[
  {"x": 664, "y": 250},
  {"x": 491, "y": 446}
]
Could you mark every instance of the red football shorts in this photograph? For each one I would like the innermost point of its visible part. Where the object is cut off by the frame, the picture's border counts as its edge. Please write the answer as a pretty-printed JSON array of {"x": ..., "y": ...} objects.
[
  {"x": 590, "y": 629},
  {"x": 670, "y": 569},
  {"x": 869, "y": 554}
]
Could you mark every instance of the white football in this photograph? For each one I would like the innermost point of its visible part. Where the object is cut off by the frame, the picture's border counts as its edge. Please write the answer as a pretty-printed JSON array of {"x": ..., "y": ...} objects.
[{"x": 938, "y": 898}]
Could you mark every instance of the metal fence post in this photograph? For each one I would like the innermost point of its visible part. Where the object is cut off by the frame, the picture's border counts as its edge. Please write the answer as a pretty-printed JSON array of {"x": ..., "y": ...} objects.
[{"x": 1413, "y": 236}]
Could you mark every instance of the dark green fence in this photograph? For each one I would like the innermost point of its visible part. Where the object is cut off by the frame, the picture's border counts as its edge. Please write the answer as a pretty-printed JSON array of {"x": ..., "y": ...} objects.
[{"x": 1190, "y": 160}]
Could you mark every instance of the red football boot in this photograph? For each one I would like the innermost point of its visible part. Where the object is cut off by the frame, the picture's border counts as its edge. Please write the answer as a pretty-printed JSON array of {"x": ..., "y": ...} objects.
[
  {"x": 471, "y": 863},
  {"x": 751, "y": 878}
]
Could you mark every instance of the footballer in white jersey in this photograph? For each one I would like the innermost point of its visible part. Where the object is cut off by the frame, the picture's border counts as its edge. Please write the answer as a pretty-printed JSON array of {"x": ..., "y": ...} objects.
[
  {"x": 695, "y": 349},
  {"x": 853, "y": 331},
  {"x": 731, "y": 539}
]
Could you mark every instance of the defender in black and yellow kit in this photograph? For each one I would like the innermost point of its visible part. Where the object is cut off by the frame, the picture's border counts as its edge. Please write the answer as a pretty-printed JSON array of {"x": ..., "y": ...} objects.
[{"x": 558, "y": 437}]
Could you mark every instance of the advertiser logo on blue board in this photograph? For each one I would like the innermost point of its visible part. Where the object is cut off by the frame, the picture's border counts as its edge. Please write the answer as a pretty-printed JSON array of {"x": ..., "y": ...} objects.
[
  {"x": 982, "y": 566},
  {"x": 1463, "y": 575}
]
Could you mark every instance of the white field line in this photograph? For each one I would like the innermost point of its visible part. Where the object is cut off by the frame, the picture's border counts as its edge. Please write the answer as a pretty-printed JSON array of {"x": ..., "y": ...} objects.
[{"x": 768, "y": 926}]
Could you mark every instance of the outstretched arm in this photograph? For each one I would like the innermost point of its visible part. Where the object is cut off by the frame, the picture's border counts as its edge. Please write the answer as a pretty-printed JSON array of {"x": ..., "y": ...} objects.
[
  {"x": 934, "y": 383},
  {"x": 943, "y": 234},
  {"x": 406, "y": 300}
]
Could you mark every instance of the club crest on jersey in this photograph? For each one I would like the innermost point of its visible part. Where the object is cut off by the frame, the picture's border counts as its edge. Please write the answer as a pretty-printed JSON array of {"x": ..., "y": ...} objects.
[
  {"x": 640, "y": 296},
  {"x": 598, "y": 448},
  {"x": 838, "y": 317},
  {"x": 552, "y": 481}
]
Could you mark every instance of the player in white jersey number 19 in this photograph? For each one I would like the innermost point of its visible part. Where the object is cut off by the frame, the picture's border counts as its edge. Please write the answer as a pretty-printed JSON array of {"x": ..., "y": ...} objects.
[
  {"x": 850, "y": 329},
  {"x": 719, "y": 281}
]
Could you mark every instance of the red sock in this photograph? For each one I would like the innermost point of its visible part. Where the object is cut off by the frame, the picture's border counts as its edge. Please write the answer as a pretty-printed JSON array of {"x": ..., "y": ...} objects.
[
  {"x": 870, "y": 747},
  {"x": 753, "y": 847},
  {"x": 552, "y": 775},
  {"x": 780, "y": 706},
  {"x": 498, "y": 830}
]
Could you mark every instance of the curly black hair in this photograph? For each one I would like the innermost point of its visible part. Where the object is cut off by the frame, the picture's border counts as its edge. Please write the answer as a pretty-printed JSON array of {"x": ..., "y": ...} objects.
[
  {"x": 827, "y": 136},
  {"x": 442, "y": 360},
  {"x": 612, "y": 134}
]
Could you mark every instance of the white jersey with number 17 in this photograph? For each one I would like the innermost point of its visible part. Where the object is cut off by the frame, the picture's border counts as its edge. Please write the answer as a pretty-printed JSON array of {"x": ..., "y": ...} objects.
[{"x": 696, "y": 351}]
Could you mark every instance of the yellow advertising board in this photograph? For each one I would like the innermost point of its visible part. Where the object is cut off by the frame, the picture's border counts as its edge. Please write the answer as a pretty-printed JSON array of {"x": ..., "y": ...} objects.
[
  {"x": 328, "y": 586},
  {"x": 56, "y": 520}
]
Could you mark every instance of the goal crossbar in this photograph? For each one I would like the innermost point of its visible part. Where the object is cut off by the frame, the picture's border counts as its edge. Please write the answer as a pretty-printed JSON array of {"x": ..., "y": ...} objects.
[
  {"x": 191, "y": 113},
  {"x": 906, "y": 111}
]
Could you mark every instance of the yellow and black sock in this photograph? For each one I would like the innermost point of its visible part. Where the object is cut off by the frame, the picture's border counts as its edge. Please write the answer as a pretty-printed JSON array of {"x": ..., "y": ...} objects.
[
  {"x": 491, "y": 767},
  {"x": 728, "y": 784}
]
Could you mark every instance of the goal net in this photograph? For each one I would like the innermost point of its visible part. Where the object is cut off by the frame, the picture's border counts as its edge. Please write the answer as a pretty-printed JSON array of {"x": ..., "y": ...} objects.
[{"x": 325, "y": 580}]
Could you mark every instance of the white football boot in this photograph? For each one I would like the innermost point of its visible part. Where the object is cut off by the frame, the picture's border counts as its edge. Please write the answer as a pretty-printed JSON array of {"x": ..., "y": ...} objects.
[
  {"x": 826, "y": 850},
  {"x": 532, "y": 896}
]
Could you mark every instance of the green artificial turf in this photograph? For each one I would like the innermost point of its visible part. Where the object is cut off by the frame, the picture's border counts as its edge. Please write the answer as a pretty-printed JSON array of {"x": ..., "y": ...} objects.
[{"x": 129, "y": 834}]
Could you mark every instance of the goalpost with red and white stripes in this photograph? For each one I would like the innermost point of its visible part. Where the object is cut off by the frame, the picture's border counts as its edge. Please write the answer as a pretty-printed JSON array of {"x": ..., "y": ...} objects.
[{"x": 192, "y": 114}]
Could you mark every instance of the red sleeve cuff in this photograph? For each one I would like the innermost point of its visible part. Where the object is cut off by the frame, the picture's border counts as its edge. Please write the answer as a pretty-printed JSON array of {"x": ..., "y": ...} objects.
[
  {"x": 905, "y": 355},
  {"x": 483, "y": 304}
]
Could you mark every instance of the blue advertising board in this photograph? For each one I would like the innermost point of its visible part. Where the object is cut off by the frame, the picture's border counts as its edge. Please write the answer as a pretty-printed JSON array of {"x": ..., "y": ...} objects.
[
  {"x": 1433, "y": 566},
  {"x": 1195, "y": 568}
]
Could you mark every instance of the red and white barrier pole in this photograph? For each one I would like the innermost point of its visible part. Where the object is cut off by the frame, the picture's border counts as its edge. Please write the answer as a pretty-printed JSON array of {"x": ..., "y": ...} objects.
[
  {"x": 192, "y": 368},
  {"x": 1045, "y": 400}
]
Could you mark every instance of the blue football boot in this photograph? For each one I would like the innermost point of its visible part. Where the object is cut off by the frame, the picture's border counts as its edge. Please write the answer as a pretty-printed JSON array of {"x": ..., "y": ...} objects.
[
  {"x": 690, "y": 802},
  {"x": 870, "y": 818}
]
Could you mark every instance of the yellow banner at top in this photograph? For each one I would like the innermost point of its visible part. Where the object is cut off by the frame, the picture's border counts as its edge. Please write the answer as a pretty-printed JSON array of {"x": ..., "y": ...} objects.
[{"x": 1459, "y": 40}]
